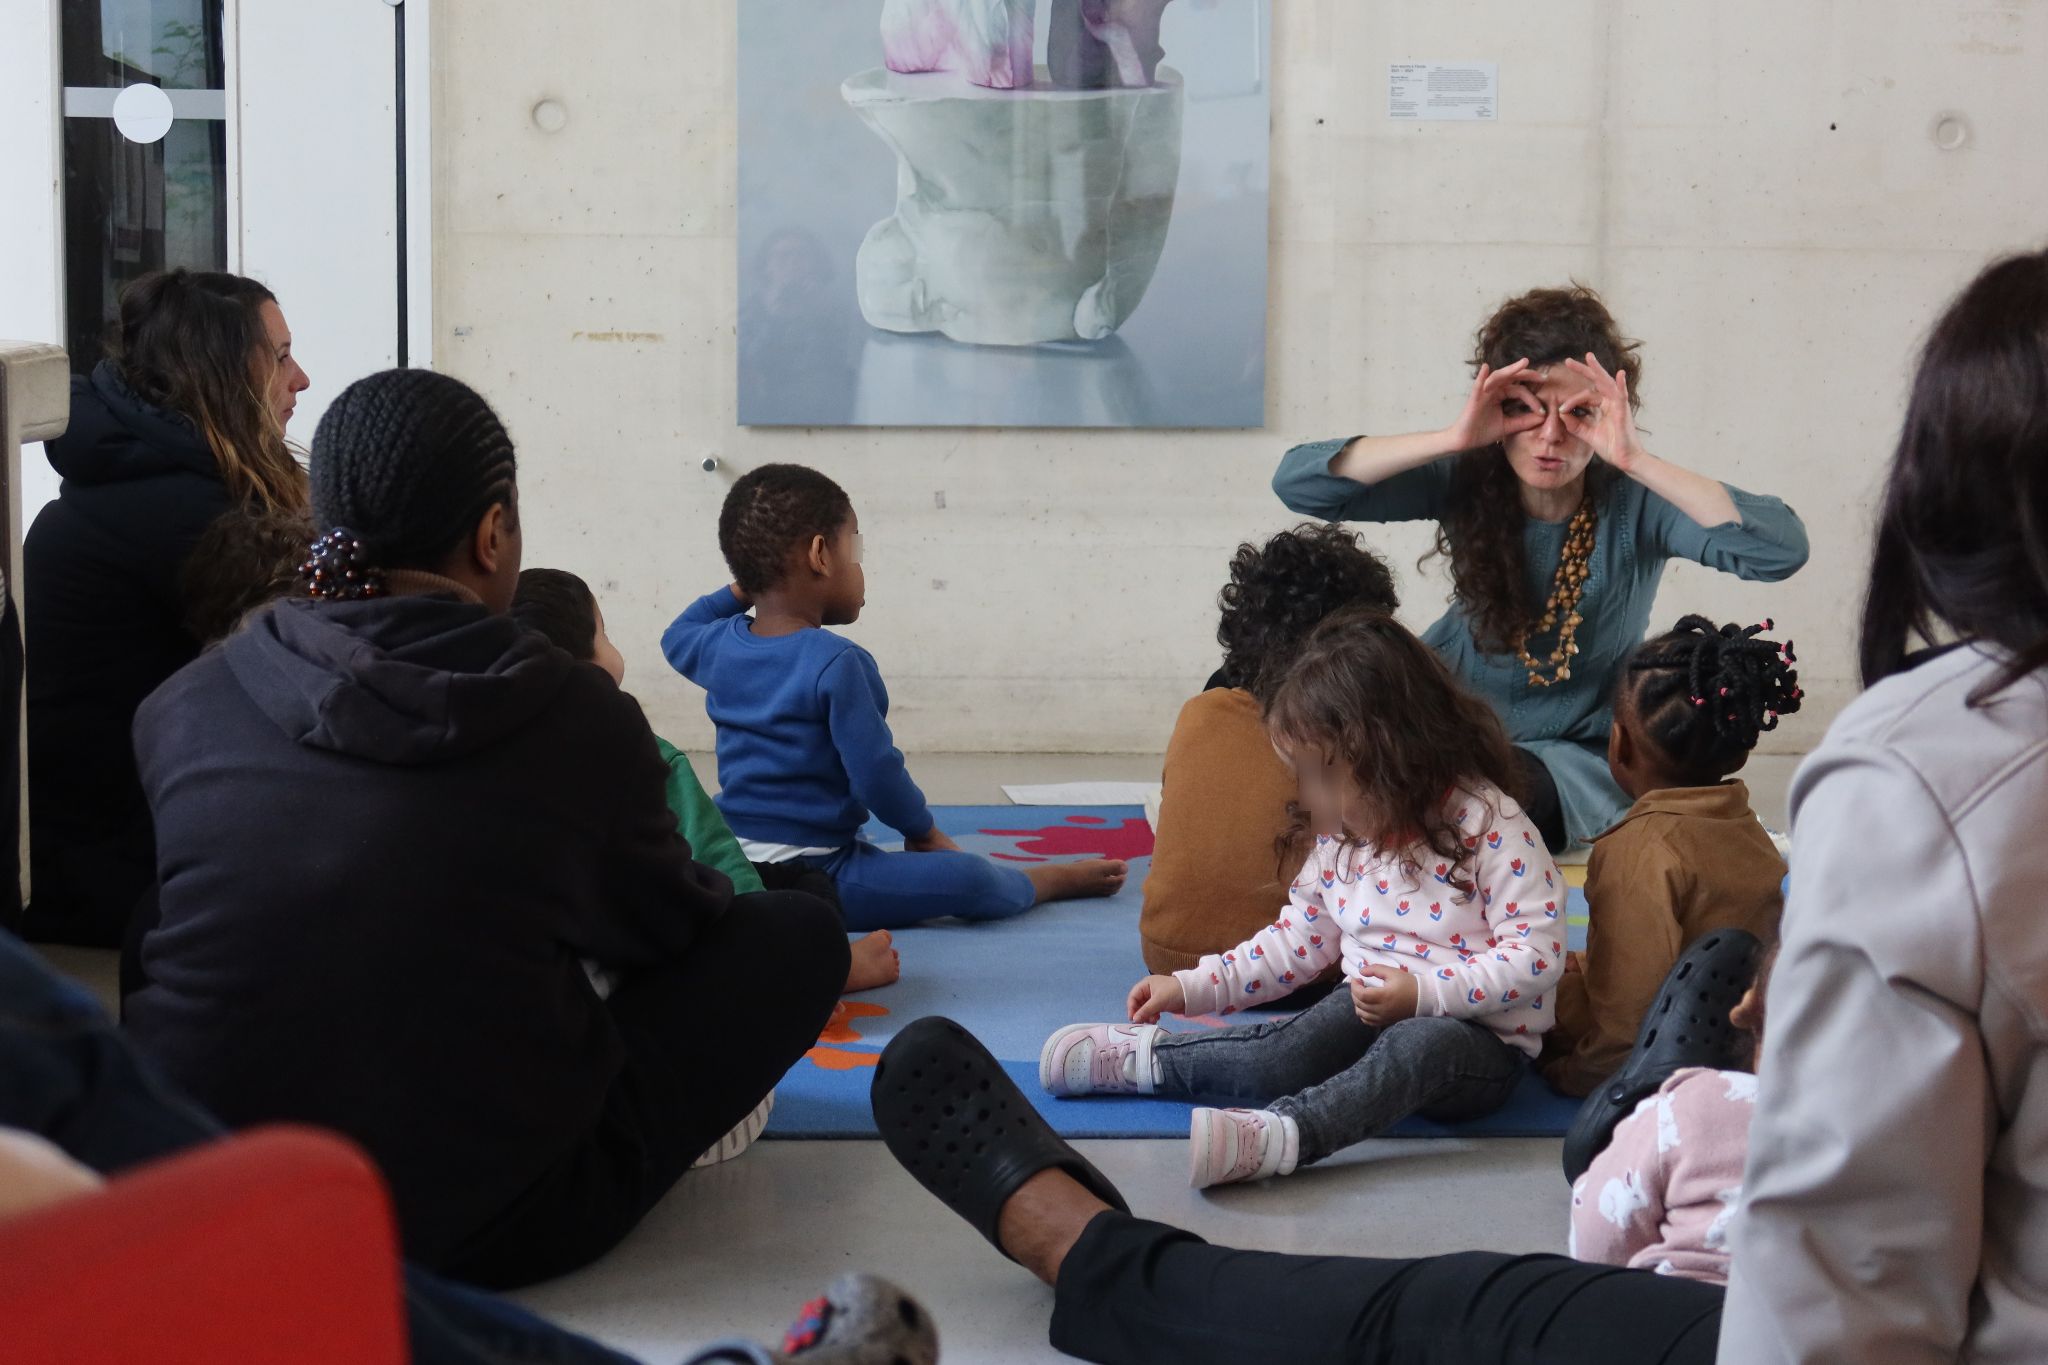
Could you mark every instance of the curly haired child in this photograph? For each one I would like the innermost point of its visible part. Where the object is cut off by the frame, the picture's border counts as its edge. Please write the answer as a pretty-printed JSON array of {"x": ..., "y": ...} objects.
[
  {"x": 804, "y": 748},
  {"x": 1426, "y": 880},
  {"x": 1215, "y": 877},
  {"x": 1690, "y": 856}
]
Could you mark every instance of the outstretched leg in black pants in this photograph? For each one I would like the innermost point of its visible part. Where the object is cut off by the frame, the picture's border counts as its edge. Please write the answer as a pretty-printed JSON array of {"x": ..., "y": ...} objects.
[{"x": 1131, "y": 1291}]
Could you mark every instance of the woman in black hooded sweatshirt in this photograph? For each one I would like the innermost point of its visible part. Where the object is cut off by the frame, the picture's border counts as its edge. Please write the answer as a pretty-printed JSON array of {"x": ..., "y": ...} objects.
[
  {"x": 184, "y": 420},
  {"x": 391, "y": 826}
]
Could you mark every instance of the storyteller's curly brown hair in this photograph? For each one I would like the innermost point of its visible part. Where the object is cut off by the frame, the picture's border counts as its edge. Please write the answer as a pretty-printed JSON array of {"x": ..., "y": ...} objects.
[
  {"x": 770, "y": 512},
  {"x": 1373, "y": 699},
  {"x": 1481, "y": 532},
  {"x": 1280, "y": 591}
]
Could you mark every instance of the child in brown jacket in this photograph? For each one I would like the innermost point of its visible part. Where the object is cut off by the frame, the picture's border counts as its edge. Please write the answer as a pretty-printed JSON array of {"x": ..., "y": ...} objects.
[
  {"x": 1218, "y": 868},
  {"x": 1690, "y": 856}
]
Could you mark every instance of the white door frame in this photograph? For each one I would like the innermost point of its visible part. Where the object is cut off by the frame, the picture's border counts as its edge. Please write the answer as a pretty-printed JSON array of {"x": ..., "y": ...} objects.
[{"x": 283, "y": 223}]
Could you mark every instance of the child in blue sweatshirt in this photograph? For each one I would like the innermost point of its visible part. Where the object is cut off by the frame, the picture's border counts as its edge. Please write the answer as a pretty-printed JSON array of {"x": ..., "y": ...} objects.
[{"x": 804, "y": 749}]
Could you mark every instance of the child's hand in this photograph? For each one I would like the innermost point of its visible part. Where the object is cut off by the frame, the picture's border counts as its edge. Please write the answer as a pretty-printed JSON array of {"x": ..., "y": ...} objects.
[
  {"x": 741, "y": 594},
  {"x": 1154, "y": 996},
  {"x": 1573, "y": 962},
  {"x": 934, "y": 840},
  {"x": 1388, "y": 1002}
]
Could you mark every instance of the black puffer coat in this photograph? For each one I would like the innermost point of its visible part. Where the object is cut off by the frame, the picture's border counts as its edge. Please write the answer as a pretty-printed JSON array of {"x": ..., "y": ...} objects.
[{"x": 100, "y": 568}]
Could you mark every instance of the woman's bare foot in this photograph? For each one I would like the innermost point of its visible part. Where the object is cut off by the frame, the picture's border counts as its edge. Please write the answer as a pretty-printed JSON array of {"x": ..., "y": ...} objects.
[
  {"x": 1041, "y": 1222},
  {"x": 1076, "y": 881},
  {"x": 875, "y": 963}
]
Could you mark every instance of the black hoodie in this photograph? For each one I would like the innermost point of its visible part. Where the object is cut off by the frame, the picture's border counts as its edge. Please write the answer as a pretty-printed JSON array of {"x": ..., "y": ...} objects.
[
  {"x": 104, "y": 629},
  {"x": 388, "y": 831}
]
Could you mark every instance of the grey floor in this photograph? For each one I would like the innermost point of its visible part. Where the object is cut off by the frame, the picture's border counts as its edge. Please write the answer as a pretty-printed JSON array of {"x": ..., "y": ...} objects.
[{"x": 735, "y": 1249}]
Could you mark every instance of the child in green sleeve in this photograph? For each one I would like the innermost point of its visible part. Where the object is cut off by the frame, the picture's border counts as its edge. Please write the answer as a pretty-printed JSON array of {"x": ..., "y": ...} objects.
[{"x": 561, "y": 606}]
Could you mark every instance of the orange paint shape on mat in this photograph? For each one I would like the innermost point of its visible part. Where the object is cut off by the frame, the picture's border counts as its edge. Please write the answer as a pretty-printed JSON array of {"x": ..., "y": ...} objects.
[{"x": 839, "y": 1029}]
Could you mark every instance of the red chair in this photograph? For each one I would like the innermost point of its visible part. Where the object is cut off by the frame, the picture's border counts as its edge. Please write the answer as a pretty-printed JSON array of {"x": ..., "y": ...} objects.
[{"x": 275, "y": 1245}]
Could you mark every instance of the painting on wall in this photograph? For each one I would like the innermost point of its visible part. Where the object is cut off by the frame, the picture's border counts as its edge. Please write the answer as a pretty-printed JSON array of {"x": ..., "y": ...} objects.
[{"x": 1035, "y": 213}]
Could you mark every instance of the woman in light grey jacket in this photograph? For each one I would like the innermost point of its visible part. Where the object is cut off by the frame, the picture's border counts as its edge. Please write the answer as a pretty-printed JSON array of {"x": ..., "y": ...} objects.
[{"x": 1896, "y": 1199}]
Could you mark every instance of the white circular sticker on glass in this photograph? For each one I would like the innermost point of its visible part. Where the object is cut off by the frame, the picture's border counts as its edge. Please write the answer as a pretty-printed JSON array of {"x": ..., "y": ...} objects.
[{"x": 143, "y": 113}]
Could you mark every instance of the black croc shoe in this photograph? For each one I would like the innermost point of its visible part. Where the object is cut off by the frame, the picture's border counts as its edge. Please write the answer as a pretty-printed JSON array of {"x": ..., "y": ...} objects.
[
  {"x": 957, "y": 1122},
  {"x": 1687, "y": 1026}
]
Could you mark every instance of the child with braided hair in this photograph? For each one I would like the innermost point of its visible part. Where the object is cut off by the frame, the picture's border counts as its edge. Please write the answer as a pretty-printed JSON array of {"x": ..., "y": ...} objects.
[{"x": 1690, "y": 857}]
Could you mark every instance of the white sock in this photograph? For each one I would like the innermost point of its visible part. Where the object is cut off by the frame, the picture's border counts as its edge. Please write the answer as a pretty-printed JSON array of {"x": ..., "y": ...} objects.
[{"x": 1290, "y": 1142}]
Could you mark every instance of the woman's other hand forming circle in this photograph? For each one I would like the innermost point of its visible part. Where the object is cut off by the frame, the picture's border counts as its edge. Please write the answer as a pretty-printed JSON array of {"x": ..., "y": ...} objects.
[{"x": 1610, "y": 432}]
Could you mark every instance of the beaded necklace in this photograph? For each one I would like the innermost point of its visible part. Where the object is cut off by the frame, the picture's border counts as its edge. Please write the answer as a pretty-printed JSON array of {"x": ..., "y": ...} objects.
[{"x": 1565, "y": 591}]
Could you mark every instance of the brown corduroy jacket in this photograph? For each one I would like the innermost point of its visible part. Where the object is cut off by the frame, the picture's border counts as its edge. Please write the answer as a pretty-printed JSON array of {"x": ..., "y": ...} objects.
[
  {"x": 1216, "y": 876},
  {"x": 1683, "y": 862}
]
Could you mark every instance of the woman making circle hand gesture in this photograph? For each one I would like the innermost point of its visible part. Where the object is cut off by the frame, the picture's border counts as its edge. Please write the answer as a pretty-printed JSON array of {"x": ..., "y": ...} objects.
[{"x": 1557, "y": 523}]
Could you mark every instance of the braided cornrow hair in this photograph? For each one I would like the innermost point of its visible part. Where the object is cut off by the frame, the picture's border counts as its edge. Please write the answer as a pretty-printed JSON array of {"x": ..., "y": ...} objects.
[
  {"x": 405, "y": 464},
  {"x": 772, "y": 510},
  {"x": 1704, "y": 693}
]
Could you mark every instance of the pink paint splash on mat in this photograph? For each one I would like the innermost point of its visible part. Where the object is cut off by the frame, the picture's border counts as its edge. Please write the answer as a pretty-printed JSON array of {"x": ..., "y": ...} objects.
[{"x": 1085, "y": 836}]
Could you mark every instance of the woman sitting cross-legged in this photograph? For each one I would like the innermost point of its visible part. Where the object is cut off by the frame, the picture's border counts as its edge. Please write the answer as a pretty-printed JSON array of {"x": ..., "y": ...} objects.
[
  {"x": 391, "y": 824},
  {"x": 1557, "y": 523}
]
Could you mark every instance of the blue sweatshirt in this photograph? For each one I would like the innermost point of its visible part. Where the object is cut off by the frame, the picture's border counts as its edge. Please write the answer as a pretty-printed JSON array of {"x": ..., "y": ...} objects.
[{"x": 804, "y": 750}]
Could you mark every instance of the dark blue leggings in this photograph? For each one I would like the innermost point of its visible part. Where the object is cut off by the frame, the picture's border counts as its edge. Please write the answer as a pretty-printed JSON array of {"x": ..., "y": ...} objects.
[{"x": 881, "y": 890}]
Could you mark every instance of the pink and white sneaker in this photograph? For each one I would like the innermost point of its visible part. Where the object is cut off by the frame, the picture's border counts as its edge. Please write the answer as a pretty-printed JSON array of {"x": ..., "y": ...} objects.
[
  {"x": 1099, "y": 1059},
  {"x": 1230, "y": 1146}
]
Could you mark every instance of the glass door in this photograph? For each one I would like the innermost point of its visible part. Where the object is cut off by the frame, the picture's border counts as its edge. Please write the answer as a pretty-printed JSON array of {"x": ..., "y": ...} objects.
[{"x": 145, "y": 151}]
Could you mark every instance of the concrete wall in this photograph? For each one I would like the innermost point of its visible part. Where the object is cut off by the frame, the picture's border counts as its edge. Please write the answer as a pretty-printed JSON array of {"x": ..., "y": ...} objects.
[{"x": 1758, "y": 188}]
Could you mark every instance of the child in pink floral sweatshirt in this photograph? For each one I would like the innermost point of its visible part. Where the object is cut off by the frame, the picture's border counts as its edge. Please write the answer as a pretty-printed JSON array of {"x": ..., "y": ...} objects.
[
  {"x": 1662, "y": 1194},
  {"x": 1426, "y": 881}
]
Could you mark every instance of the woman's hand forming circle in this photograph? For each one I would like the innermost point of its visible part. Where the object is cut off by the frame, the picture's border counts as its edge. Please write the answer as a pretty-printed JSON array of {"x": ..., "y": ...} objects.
[
  {"x": 1611, "y": 432},
  {"x": 1485, "y": 420}
]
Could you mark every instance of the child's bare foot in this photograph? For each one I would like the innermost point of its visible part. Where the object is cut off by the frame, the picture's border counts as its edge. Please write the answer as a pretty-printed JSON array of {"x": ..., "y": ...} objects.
[
  {"x": 875, "y": 963},
  {"x": 1075, "y": 881}
]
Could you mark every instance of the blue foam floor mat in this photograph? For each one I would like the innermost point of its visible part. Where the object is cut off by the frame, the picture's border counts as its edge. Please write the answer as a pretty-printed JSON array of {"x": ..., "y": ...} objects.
[{"x": 1012, "y": 983}]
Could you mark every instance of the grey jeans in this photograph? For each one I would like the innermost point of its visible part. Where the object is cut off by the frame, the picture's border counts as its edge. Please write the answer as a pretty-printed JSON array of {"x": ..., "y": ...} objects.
[{"x": 1340, "y": 1080}]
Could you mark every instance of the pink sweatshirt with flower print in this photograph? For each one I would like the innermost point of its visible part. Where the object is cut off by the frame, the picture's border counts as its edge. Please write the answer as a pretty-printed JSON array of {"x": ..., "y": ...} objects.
[{"x": 1492, "y": 954}]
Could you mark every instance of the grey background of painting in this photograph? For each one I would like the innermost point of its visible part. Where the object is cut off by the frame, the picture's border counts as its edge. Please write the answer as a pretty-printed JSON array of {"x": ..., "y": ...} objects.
[{"x": 813, "y": 179}]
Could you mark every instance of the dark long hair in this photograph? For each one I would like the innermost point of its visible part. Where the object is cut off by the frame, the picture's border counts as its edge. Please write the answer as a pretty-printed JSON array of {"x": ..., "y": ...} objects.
[
  {"x": 1280, "y": 591},
  {"x": 1962, "y": 540},
  {"x": 1481, "y": 532},
  {"x": 1381, "y": 704},
  {"x": 193, "y": 342}
]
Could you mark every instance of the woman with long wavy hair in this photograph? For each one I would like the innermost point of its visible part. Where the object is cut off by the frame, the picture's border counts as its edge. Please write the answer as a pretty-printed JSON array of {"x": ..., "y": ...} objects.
[
  {"x": 1557, "y": 523},
  {"x": 182, "y": 421}
]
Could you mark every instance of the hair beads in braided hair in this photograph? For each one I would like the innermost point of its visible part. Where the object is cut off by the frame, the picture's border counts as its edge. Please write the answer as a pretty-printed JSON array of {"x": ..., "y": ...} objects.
[
  {"x": 1704, "y": 693},
  {"x": 339, "y": 570},
  {"x": 411, "y": 461}
]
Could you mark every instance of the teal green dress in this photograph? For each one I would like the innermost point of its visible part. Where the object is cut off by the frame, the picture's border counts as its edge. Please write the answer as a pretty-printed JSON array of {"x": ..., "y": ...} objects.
[{"x": 1565, "y": 725}]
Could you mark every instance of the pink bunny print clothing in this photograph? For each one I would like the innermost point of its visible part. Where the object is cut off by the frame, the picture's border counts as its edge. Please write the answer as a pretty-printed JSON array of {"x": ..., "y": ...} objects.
[
  {"x": 1663, "y": 1194},
  {"x": 1484, "y": 939}
]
